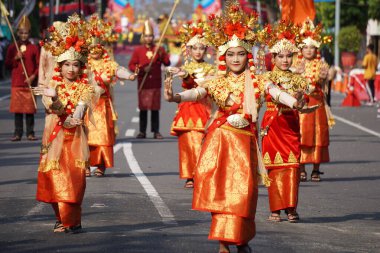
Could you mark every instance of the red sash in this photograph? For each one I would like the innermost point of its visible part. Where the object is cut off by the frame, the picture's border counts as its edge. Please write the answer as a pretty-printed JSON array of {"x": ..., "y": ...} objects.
[{"x": 102, "y": 85}]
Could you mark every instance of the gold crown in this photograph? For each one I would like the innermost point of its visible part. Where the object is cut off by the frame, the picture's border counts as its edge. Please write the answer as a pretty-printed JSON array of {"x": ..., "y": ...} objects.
[
  {"x": 280, "y": 37},
  {"x": 147, "y": 29},
  {"x": 101, "y": 31},
  {"x": 232, "y": 29},
  {"x": 24, "y": 23},
  {"x": 192, "y": 33},
  {"x": 69, "y": 41},
  {"x": 310, "y": 34}
]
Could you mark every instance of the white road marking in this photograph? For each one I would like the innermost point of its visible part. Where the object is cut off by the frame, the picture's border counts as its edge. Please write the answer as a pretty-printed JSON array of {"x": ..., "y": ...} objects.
[
  {"x": 130, "y": 132},
  {"x": 35, "y": 210},
  {"x": 162, "y": 208},
  {"x": 117, "y": 147},
  {"x": 5, "y": 97},
  {"x": 353, "y": 124},
  {"x": 135, "y": 120},
  {"x": 137, "y": 110}
]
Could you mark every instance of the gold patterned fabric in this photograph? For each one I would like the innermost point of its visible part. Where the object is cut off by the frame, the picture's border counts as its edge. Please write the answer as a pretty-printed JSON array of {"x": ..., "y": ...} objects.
[
  {"x": 65, "y": 180},
  {"x": 101, "y": 137},
  {"x": 189, "y": 148},
  {"x": 283, "y": 190},
  {"x": 228, "y": 228},
  {"x": 225, "y": 181},
  {"x": 220, "y": 88}
]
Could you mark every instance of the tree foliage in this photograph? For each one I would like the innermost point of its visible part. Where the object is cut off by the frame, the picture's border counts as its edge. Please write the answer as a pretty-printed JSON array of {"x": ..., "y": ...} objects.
[{"x": 352, "y": 12}]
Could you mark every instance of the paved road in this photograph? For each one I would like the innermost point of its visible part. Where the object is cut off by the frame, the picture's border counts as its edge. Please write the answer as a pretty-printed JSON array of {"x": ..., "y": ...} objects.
[{"x": 141, "y": 206}]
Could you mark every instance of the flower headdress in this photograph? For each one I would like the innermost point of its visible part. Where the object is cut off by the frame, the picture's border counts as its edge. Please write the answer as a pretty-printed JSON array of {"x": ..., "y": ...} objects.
[
  {"x": 282, "y": 36},
  {"x": 69, "y": 41},
  {"x": 192, "y": 33},
  {"x": 101, "y": 33},
  {"x": 310, "y": 34},
  {"x": 233, "y": 29}
]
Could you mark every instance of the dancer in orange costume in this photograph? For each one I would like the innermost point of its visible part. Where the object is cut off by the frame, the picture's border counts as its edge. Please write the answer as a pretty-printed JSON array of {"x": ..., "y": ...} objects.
[
  {"x": 191, "y": 117},
  {"x": 64, "y": 151},
  {"x": 314, "y": 126},
  {"x": 227, "y": 172},
  {"x": 280, "y": 124},
  {"x": 101, "y": 137}
]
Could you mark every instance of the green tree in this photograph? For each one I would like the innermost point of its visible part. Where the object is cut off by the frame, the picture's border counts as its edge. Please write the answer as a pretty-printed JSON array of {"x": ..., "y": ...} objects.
[{"x": 353, "y": 12}]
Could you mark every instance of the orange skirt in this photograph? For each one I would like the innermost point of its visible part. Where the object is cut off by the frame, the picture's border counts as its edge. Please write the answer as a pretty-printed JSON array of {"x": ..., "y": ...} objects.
[
  {"x": 67, "y": 213},
  {"x": 283, "y": 190},
  {"x": 315, "y": 133},
  {"x": 66, "y": 184},
  {"x": 21, "y": 101},
  {"x": 225, "y": 182},
  {"x": 232, "y": 229},
  {"x": 101, "y": 156},
  {"x": 189, "y": 148},
  {"x": 103, "y": 133}
]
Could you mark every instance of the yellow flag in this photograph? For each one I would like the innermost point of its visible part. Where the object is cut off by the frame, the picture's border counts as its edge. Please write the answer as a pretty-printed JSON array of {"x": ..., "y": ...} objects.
[{"x": 4, "y": 10}]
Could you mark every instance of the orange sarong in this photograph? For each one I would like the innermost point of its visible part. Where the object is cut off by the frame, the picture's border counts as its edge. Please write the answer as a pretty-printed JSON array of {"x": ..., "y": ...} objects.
[
  {"x": 225, "y": 183},
  {"x": 283, "y": 190},
  {"x": 101, "y": 137},
  {"x": 189, "y": 147},
  {"x": 315, "y": 132}
]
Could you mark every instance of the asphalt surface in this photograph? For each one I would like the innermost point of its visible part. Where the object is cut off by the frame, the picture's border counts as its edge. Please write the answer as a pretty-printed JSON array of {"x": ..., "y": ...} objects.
[{"x": 141, "y": 205}]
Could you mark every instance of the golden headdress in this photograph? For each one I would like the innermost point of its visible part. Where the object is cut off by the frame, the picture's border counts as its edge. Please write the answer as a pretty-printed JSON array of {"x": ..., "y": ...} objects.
[
  {"x": 24, "y": 23},
  {"x": 310, "y": 34},
  {"x": 101, "y": 31},
  {"x": 233, "y": 28},
  {"x": 69, "y": 41},
  {"x": 148, "y": 28},
  {"x": 192, "y": 33},
  {"x": 283, "y": 36}
]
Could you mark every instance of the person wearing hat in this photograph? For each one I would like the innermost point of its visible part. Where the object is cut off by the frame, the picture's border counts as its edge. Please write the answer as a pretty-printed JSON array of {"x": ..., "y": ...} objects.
[
  {"x": 101, "y": 138},
  {"x": 314, "y": 126},
  {"x": 21, "y": 96},
  {"x": 149, "y": 93},
  {"x": 69, "y": 96},
  {"x": 191, "y": 117},
  {"x": 280, "y": 130}
]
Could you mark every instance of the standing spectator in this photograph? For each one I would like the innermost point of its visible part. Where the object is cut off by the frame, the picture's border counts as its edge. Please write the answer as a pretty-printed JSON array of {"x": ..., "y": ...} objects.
[
  {"x": 21, "y": 96},
  {"x": 369, "y": 64},
  {"x": 149, "y": 95}
]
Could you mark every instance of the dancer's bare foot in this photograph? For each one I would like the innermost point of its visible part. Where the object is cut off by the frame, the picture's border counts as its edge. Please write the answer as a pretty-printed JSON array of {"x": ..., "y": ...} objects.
[{"x": 223, "y": 248}]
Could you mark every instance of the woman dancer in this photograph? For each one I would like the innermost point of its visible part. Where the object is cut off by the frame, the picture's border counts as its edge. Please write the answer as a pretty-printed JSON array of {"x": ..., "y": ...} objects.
[
  {"x": 191, "y": 117},
  {"x": 101, "y": 137},
  {"x": 64, "y": 151},
  {"x": 226, "y": 176},
  {"x": 280, "y": 125}
]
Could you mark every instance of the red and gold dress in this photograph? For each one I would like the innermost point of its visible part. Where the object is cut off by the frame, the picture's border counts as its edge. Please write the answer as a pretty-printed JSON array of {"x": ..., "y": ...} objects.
[
  {"x": 190, "y": 121},
  {"x": 101, "y": 137},
  {"x": 64, "y": 154},
  {"x": 314, "y": 126},
  {"x": 281, "y": 141}
]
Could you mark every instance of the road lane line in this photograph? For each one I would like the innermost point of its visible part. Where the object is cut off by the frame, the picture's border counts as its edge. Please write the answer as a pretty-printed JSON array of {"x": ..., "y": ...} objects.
[
  {"x": 162, "y": 208},
  {"x": 5, "y": 97},
  {"x": 35, "y": 210},
  {"x": 135, "y": 120},
  {"x": 353, "y": 124},
  {"x": 130, "y": 132}
]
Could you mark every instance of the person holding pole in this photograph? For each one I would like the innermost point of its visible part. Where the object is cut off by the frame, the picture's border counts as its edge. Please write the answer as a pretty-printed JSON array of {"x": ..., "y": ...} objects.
[
  {"x": 23, "y": 59},
  {"x": 149, "y": 58}
]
